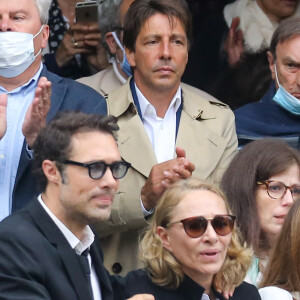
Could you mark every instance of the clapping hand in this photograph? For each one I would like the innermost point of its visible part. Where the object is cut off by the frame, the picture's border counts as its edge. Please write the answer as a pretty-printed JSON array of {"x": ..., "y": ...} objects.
[{"x": 3, "y": 106}]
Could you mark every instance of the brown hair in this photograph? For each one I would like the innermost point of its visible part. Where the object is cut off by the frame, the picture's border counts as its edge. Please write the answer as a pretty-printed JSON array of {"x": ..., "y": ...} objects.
[
  {"x": 284, "y": 266},
  {"x": 257, "y": 161},
  {"x": 54, "y": 142},
  {"x": 286, "y": 29},
  {"x": 162, "y": 266},
  {"x": 141, "y": 10}
]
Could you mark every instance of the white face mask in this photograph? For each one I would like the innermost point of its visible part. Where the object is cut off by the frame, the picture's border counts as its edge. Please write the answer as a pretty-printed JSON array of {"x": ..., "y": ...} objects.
[{"x": 17, "y": 52}]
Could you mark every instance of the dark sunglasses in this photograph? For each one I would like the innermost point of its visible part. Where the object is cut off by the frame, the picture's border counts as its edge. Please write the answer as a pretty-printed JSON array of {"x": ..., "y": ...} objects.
[
  {"x": 196, "y": 226},
  {"x": 98, "y": 168}
]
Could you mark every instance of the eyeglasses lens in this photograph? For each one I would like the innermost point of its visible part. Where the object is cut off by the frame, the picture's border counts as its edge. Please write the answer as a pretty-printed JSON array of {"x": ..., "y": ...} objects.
[
  {"x": 296, "y": 192},
  {"x": 195, "y": 227},
  {"x": 277, "y": 190},
  {"x": 119, "y": 170},
  {"x": 222, "y": 224},
  {"x": 97, "y": 170}
]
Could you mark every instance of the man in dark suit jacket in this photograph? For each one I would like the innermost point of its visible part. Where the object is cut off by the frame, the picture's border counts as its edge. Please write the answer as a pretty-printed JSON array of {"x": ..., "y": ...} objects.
[
  {"x": 28, "y": 84},
  {"x": 42, "y": 247},
  {"x": 66, "y": 94}
]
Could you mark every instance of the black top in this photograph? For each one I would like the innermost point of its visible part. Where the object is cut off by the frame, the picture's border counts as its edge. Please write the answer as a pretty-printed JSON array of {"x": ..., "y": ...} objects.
[
  {"x": 137, "y": 282},
  {"x": 38, "y": 263}
]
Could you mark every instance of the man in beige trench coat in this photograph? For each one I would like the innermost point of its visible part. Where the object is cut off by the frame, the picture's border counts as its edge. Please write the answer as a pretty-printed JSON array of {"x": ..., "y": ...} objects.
[{"x": 167, "y": 132}]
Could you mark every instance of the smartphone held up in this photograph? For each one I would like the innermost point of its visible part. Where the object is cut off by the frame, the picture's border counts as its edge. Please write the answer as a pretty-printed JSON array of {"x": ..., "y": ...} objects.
[{"x": 86, "y": 12}]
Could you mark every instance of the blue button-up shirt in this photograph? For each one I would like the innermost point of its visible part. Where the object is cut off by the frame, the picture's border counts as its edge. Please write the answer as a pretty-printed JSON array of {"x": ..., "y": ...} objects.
[{"x": 11, "y": 144}]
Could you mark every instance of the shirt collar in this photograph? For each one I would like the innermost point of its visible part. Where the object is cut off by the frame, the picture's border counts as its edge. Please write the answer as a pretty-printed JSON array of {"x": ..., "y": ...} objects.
[
  {"x": 146, "y": 106},
  {"x": 78, "y": 245},
  {"x": 27, "y": 86}
]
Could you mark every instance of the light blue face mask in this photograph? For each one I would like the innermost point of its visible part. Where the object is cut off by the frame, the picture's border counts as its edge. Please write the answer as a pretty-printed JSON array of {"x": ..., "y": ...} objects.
[
  {"x": 285, "y": 99},
  {"x": 124, "y": 64}
]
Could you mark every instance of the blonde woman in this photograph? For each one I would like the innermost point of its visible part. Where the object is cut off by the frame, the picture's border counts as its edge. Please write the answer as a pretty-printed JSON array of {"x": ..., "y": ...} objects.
[{"x": 191, "y": 249}]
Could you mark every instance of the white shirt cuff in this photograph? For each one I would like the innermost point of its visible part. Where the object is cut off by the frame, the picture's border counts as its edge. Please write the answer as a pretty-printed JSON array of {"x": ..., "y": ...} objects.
[{"x": 146, "y": 212}]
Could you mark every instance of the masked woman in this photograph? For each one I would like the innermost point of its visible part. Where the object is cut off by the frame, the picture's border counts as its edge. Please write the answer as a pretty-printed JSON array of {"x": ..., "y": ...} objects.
[{"x": 191, "y": 249}]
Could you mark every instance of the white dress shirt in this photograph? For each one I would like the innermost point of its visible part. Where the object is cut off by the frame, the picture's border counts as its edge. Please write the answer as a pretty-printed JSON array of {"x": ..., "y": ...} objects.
[
  {"x": 79, "y": 246},
  {"x": 161, "y": 131}
]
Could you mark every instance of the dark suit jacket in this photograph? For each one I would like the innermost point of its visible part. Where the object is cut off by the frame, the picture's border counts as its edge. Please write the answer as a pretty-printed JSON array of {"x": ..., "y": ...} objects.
[
  {"x": 38, "y": 263},
  {"x": 138, "y": 282},
  {"x": 67, "y": 94}
]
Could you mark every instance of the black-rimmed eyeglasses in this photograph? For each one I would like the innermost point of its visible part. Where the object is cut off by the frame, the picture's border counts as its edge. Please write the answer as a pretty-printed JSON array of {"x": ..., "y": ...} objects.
[
  {"x": 98, "y": 168},
  {"x": 277, "y": 189}
]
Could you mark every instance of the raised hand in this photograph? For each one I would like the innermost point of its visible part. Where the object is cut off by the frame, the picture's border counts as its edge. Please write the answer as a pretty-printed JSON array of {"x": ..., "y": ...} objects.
[
  {"x": 36, "y": 114},
  {"x": 79, "y": 38},
  {"x": 234, "y": 43},
  {"x": 3, "y": 106},
  {"x": 163, "y": 175}
]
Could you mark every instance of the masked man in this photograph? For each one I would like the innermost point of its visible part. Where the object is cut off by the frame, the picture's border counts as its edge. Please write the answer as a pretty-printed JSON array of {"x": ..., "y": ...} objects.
[
  {"x": 111, "y": 19},
  {"x": 26, "y": 101},
  {"x": 277, "y": 114}
]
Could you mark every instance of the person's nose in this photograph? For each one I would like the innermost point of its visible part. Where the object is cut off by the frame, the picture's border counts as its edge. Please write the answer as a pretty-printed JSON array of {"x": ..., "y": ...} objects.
[
  {"x": 165, "y": 49},
  {"x": 108, "y": 181},
  {"x": 5, "y": 24},
  {"x": 210, "y": 234},
  {"x": 287, "y": 199}
]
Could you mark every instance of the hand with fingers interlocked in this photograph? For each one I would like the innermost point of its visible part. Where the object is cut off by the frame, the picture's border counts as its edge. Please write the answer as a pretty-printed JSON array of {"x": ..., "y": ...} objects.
[{"x": 163, "y": 175}]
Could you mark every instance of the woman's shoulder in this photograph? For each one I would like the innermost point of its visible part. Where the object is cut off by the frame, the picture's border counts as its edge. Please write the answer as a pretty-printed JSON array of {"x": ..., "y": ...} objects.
[
  {"x": 246, "y": 291},
  {"x": 138, "y": 281},
  {"x": 274, "y": 293}
]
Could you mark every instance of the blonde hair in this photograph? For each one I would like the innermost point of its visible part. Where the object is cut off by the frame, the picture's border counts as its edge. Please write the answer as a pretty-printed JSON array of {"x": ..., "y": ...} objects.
[
  {"x": 163, "y": 268},
  {"x": 283, "y": 269}
]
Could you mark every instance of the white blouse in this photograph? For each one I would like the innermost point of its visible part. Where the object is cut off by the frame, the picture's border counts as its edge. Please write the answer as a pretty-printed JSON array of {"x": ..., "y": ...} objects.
[{"x": 276, "y": 293}]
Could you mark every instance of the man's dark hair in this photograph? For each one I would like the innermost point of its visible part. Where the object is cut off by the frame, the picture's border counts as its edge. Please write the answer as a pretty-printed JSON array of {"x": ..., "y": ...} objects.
[
  {"x": 54, "y": 141},
  {"x": 286, "y": 29},
  {"x": 141, "y": 10}
]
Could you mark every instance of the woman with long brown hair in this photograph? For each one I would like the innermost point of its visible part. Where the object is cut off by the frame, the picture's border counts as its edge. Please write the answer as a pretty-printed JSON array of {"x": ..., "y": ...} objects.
[
  {"x": 281, "y": 280},
  {"x": 261, "y": 184}
]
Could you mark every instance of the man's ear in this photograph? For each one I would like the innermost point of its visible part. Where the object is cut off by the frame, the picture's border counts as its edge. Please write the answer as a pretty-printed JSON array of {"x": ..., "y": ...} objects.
[
  {"x": 45, "y": 36},
  {"x": 130, "y": 57},
  {"x": 51, "y": 171},
  {"x": 110, "y": 41},
  {"x": 165, "y": 238},
  {"x": 271, "y": 64}
]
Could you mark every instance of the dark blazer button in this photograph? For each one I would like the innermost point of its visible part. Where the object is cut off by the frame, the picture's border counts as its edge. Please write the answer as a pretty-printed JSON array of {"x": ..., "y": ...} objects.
[{"x": 117, "y": 268}]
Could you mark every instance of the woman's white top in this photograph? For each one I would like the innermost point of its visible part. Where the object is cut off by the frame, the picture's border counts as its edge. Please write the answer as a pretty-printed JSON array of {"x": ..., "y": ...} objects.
[
  {"x": 254, "y": 22},
  {"x": 276, "y": 293}
]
